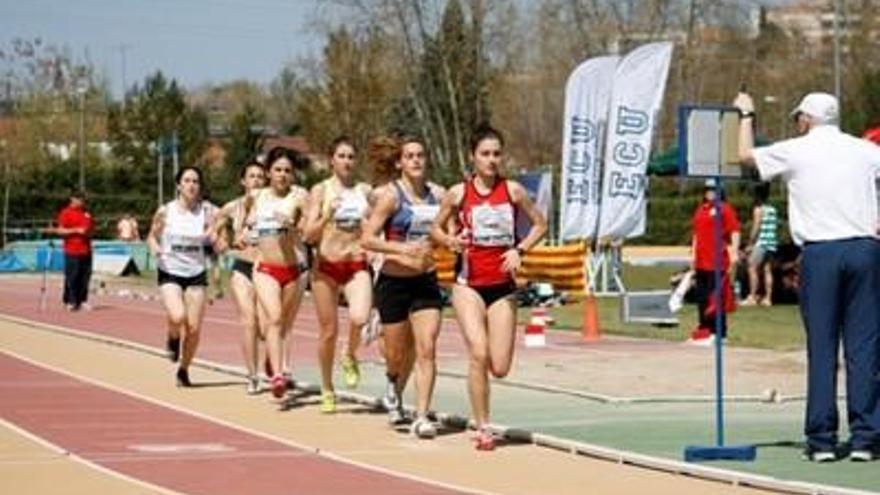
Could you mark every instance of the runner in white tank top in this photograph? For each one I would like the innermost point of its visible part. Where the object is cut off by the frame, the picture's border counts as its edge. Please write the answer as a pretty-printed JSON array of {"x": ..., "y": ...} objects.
[
  {"x": 230, "y": 236},
  {"x": 178, "y": 237}
]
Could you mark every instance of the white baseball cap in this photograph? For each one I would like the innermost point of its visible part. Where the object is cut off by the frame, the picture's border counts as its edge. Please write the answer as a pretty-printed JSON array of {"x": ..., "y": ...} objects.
[{"x": 821, "y": 106}]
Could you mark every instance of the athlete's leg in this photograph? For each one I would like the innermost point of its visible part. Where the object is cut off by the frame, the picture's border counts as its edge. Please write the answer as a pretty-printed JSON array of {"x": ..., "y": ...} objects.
[
  {"x": 171, "y": 296},
  {"x": 194, "y": 299},
  {"x": 245, "y": 298},
  {"x": 425, "y": 329},
  {"x": 502, "y": 335},
  {"x": 359, "y": 294},
  {"x": 269, "y": 295},
  {"x": 471, "y": 314},
  {"x": 325, "y": 293}
]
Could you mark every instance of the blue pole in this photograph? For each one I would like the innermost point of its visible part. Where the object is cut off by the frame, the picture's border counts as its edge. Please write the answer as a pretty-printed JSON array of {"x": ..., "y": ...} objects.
[{"x": 719, "y": 316}]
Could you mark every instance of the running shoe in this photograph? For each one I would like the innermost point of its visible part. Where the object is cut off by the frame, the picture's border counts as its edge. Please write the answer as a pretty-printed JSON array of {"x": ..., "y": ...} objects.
[
  {"x": 183, "y": 378},
  {"x": 279, "y": 386},
  {"x": 351, "y": 373},
  {"x": 389, "y": 400},
  {"x": 396, "y": 416},
  {"x": 328, "y": 402},
  {"x": 253, "y": 385},
  {"x": 422, "y": 427},
  {"x": 173, "y": 346},
  {"x": 484, "y": 439}
]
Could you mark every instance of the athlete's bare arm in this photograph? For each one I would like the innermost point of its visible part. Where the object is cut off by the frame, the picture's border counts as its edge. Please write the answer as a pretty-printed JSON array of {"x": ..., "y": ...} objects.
[
  {"x": 440, "y": 232},
  {"x": 315, "y": 222},
  {"x": 156, "y": 228}
]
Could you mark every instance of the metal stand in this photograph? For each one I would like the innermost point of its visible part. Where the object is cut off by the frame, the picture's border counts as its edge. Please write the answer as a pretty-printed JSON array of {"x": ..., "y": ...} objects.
[
  {"x": 604, "y": 275},
  {"x": 720, "y": 451}
]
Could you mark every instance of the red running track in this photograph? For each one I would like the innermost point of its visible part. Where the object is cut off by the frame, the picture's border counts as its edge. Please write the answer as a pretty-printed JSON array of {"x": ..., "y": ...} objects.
[{"x": 172, "y": 449}]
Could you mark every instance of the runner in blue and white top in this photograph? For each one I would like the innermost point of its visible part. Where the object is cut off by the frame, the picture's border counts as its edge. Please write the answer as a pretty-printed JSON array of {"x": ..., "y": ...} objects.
[
  {"x": 407, "y": 294},
  {"x": 178, "y": 238}
]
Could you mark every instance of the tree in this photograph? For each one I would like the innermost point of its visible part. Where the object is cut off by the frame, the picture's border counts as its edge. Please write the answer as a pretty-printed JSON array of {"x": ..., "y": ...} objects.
[
  {"x": 152, "y": 114},
  {"x": 350, "y": 91}
]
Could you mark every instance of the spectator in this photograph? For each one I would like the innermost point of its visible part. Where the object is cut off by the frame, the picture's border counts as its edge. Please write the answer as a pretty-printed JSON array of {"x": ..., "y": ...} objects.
[
  {"x": 127, "y": 228},
  {"x": 763, "y": 242},
  {"x": 832, "y": 203},
  {"x": 75, "y": 225},
  {"x": 704, "y": 250}
]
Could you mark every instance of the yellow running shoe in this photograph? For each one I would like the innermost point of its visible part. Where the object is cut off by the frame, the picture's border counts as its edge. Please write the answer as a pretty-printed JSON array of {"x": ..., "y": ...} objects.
[
  {"x": 328, "y": 402},
  {"x": 351, "y": 373}
]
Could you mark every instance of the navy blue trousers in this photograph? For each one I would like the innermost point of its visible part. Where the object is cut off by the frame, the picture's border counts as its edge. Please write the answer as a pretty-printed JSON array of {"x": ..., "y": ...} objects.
[
  {"x": 77, "y": 273},
  {"x": 840, "y": 298}
]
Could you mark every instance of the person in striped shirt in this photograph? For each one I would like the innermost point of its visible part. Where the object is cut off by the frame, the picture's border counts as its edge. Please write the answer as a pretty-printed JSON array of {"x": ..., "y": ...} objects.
[{"x": 763, "y": 242}]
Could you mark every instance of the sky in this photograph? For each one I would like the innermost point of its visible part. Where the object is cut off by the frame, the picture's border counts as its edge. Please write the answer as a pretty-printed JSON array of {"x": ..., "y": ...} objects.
[{"x": 194, "y": 41}]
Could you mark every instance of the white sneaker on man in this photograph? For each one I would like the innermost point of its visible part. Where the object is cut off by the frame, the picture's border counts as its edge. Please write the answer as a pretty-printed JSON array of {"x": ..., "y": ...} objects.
[{"x": 861, "y": 455}]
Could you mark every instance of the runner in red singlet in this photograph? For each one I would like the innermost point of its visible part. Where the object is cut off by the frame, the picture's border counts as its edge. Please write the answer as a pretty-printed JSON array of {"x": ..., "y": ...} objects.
[{"x": 489, "y": 255}]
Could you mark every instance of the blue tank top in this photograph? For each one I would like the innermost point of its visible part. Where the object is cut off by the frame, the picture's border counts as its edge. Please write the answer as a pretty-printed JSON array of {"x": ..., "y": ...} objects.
[{"x": 411, "y": 222}]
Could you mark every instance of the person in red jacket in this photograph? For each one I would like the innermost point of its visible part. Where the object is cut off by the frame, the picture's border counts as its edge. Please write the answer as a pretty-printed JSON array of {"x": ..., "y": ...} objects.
[
  {"x": 704, "y": 251},
  {"x": 75, "y": 225}
]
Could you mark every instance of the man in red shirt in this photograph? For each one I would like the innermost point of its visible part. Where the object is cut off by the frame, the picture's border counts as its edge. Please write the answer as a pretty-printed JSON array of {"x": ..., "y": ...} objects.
[
  {"x": 704, "y": 249},
  {"x": 75, "y": 225}
]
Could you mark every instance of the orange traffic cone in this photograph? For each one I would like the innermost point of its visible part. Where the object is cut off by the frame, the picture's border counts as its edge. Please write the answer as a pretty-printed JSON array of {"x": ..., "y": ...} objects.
[
  {"x": 535, "y": 329},
  {"x": 590, "y": 329}
]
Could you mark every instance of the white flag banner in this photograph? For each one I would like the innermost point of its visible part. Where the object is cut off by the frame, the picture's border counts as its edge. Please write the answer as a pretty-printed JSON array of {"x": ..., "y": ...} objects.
[
  {"x": 587, "y": 100},
  {"x": 639, "y": 85}
]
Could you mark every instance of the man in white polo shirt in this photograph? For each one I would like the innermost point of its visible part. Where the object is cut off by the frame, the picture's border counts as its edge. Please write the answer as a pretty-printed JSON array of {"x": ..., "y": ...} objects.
[{"x": 832, "y": 211}]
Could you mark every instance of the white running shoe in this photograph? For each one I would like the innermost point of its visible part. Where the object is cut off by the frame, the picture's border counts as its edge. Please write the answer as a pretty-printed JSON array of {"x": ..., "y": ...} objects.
[
  {"x": 253, "y": 385},
  {"x": 396, "y": 416},
  {"x": 422, "y": 427}
]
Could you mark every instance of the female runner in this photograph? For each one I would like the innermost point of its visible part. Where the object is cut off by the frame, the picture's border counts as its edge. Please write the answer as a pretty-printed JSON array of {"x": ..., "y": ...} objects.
[
  {"x": 338, "y": 206},
  {"x": 178, "y": 237},
  {"x": 229, "y": 230},
  {"x": 407, "y": 293},
  {"x": 490, "y": 254},
  {"x": 273, "y": 216}
]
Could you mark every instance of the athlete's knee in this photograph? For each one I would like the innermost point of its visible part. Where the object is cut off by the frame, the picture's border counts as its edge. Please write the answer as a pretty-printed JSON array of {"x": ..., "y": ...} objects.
[
  {"x": 176, "y": 317},
  {"x": 479, "y": 357},
  {"x": 499, "y": 370},
  {"x": 359, "y": 318},
  {"x": 328, "y": 335},
  {"x": 426, "y": 352}
]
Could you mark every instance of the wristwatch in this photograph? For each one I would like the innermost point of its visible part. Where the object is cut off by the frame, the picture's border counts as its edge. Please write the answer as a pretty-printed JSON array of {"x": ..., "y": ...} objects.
[{"x": 746, "y": 115}]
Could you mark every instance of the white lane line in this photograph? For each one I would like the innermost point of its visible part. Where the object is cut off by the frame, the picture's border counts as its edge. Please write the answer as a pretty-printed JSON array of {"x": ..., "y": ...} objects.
[
  {"x": 250, "y": 431},
  {"x": 63, "y": 453}
]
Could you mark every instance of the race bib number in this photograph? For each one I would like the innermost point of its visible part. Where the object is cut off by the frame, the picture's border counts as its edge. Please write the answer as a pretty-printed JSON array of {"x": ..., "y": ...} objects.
[
  {"x": 350, "y": 211},
  {"x": 186, "y": 243},
  {"x": 420, "y": 223},
  {"x": 492, "y": 225}
]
